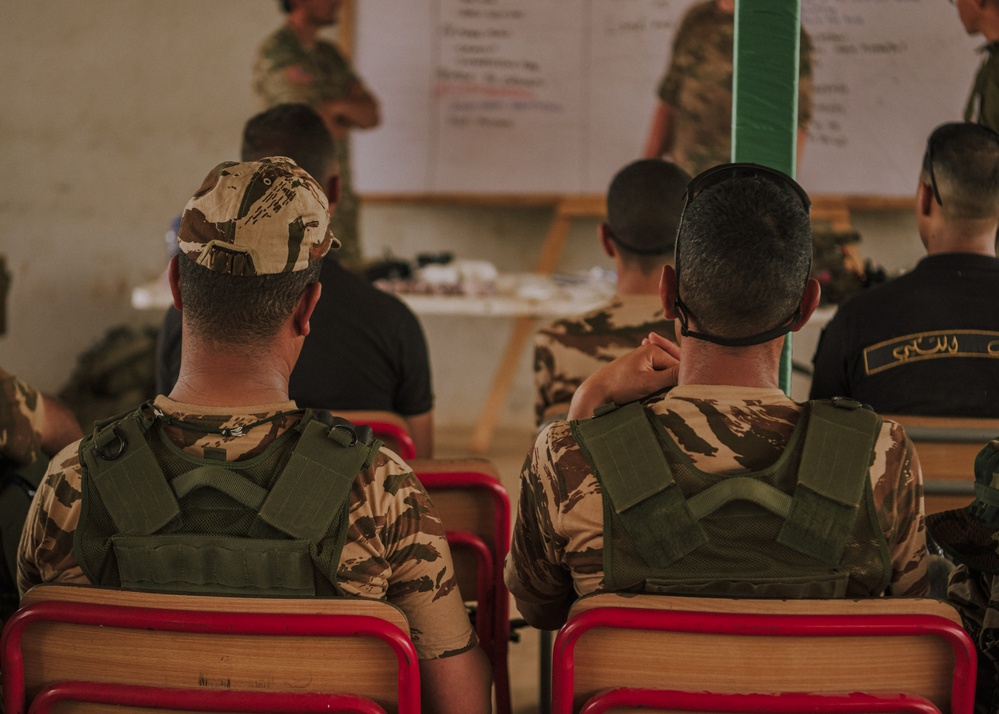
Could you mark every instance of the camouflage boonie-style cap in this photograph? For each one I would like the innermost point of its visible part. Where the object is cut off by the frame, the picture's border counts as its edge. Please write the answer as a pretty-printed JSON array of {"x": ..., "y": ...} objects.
[
  {"x": 257, "y": 218},
  {"x": 970, "y": 535}
]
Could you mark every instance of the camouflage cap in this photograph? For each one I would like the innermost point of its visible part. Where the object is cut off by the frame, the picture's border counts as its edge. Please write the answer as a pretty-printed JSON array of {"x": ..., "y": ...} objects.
[
  {"x": 257, "y": 218},
  {"x": 970, "y": 535}
]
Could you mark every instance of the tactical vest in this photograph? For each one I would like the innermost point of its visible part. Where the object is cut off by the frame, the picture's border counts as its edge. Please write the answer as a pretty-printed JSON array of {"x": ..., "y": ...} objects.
[
  {"x": 156, "y": 518},
  {"x": 806, "y": 527}
]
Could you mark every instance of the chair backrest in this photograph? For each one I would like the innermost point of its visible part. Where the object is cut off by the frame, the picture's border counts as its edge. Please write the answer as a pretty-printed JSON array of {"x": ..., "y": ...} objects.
[
  {"x": 947, "y": 447},
  {"x": 389, "y": 427},
  {"x": 308, "y": 645},
  {"x": 912, "y": 646},
  {"x": 475, "y": 510}
]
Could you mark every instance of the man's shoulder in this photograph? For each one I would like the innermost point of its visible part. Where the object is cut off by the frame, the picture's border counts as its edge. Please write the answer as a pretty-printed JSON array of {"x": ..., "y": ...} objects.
[{"x": 280, "y": 47}]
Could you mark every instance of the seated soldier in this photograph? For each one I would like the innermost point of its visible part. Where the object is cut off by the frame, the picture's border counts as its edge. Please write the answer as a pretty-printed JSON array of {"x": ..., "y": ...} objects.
[
  {"x": 643, "y": 209},
  {"x": 344, "y": 517},
  {"x": 367, "y": 350},
  {"x": 722, "y": 485},
  {"x": 970, "y": 536},
  {"x": 924, "y": 343}
]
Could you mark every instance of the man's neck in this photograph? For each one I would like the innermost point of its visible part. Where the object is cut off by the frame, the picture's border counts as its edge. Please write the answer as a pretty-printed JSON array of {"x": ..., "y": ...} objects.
[
  {"x": 973, "y": 240},
  {"x": 230, "y": 377},
  {"x": 635, "y": 282},
  {"x": 702, "y": 362}
]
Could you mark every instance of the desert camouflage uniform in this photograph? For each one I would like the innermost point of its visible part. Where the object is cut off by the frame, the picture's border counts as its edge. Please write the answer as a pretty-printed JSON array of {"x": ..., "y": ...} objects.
[
  {"x": 287, "y": 71},
  {"x": 558, "y": 539},
  {"x": 22, "y": 413},
  {"x": 698, "y": 86},
  {"x": 975, "y": 595},
  {"x": 570, "y": 350},
  {"x": 983, "y": 103},
  {"x": 395, "y": 549}
]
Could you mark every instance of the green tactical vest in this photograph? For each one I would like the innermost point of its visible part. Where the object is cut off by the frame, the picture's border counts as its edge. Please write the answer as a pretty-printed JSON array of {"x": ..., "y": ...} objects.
[
  {"x": 156, "y": 518},
  {"x": 806, "y": 527}
]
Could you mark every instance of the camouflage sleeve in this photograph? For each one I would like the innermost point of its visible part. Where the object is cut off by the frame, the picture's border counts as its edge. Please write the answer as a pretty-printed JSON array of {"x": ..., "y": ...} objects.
[
  {"x": 680, "y": 61},
  {"x": 898, "y": 501},
  {"x": 45, "y": 553},
  {"x": 536, "y": 571},
  {"x": 22, "y": 414},
  {"x": 396, "y": 536},
  {"x": 552, "y": 386}
]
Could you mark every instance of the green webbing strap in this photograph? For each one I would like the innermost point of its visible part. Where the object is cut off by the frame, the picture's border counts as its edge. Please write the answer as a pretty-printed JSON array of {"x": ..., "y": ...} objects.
[
  {"x": 628, "y": 460},
  {"x": 739, "y": 488},
  {"x": 223, "y": 480},
  {"x": 215, "y": 564},
  {"x": 132, "y": 486},
  {"x": 307, "y": 495},
  {"x": 832, "y": 475}
]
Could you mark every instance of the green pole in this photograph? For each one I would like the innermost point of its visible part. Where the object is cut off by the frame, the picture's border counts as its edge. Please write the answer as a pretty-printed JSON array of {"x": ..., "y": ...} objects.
[{"x": 765, "y": 96}]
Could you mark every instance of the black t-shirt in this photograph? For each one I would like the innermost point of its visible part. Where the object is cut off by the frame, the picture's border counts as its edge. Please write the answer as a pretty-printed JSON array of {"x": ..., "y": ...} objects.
[
  {"x": 366, "y": 350},
  {"x": 926, "y": 343}
]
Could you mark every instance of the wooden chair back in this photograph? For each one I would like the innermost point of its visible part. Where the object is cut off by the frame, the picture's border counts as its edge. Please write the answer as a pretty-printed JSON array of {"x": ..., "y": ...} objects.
[
  {"x": 913, "y": 646},
  {"x": 475, "y": 509},
  {"x": 389, "y": 427},
  {"x": 244, "y": 644},
  {"x": 947, "y": 447}
]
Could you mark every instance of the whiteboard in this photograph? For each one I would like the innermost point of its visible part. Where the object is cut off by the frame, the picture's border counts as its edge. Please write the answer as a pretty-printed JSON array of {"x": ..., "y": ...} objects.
[{"x": 554, "y": 96}]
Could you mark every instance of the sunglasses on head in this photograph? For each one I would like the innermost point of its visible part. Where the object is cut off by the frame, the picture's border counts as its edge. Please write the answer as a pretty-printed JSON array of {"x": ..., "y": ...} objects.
[
  {"x": 698, "y": 185},
  {"x": 933, "y": 142}
]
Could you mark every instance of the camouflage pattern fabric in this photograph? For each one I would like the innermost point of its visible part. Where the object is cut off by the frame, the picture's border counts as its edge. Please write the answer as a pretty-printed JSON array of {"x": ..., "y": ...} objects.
[
  {"x": 570, "y": 350},
  {"x": 257, "y": 218},
  {"x": 558, "y": 538},
  {"x": 975, "y": 595},
  {"x": 983, "y": 103},
  {"x": 395, "y": 550},
  {"x": 22, "y": 413},
  {"x": 287, "y": 71},
  {"x": 698, "y": 86}
]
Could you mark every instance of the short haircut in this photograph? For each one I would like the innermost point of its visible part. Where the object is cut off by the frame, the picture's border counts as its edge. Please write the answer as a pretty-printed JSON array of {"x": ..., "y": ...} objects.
[
  {"x": 744, "y": 252},
  {"x": 644, "y": 203},
  {"x": 293, "y": 130},
  {"x": 239, "y": 310},
  {"x": 966, "y": 169}
]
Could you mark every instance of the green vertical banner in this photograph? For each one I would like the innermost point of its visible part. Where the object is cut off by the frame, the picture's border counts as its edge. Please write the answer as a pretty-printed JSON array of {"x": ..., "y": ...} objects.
[{"x": 765, "y": 96}]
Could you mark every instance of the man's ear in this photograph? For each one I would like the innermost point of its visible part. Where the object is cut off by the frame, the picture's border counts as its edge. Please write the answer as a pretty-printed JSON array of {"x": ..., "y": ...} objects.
[
  {"x": 606, "y": 242},
  {"x": 809, "y": 302},
  {"x": 306, "y": 304},
  {"x": 924, "y": 198},
  {"x": 667, "y": 292},
  {"x": 173, "y": 277}
]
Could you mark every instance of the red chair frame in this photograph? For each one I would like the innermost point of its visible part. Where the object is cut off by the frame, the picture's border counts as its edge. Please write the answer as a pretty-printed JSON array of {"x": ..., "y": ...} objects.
[
  {"x": 965, "y": 658},
  {"x": 215, "y": 700},
  {"x": 194, "y": 621},
  {"x": 393, "y": 434},
  {"x": 784, "y": 703},
  {"x": 493, "y": 615}
]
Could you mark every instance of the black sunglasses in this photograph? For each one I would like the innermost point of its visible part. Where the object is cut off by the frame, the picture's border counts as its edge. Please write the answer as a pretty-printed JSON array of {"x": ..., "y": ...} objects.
[{"x": 698, "y": 185}]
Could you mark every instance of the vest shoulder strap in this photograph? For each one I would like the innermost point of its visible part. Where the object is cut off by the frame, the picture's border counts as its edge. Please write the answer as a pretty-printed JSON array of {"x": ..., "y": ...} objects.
[
  {"x": 623, "y": 449},
  {"x": 123, "y": 469},
  {"x": 308, "y": 494},
  {"x": 832, "y": 477}
]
